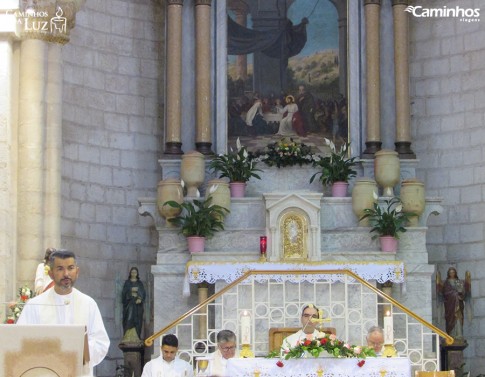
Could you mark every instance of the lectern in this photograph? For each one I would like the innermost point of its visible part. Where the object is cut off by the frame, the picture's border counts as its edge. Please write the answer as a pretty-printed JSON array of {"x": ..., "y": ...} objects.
[{"x": 43, "y": 350}]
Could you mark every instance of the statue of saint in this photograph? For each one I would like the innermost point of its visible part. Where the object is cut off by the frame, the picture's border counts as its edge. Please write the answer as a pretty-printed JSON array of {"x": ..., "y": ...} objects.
[
  {"x": 133, "y": 297},
  {"x": 454, "y": 293}
]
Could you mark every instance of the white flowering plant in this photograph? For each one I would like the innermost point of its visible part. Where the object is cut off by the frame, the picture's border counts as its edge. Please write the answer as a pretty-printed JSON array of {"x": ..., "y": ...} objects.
[{"x": 237, "y": 166}]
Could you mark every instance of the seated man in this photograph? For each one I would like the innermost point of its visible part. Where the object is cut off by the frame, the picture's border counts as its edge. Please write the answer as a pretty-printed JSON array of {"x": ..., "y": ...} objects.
[
  {"x": 226, "y": 349},
  {"x": 167, "y": 364},
  {"x": 375, "y": 339},
  {"x": 308, "y": 314}
]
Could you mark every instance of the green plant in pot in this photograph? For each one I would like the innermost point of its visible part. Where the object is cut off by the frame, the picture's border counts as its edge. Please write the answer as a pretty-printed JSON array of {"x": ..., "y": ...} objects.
[
  {"x": 387, "y": 222},
  {"x": 238, "y": 166},
  {"x": 336, "y": 169},
  {"x": 199, "y": 220}
]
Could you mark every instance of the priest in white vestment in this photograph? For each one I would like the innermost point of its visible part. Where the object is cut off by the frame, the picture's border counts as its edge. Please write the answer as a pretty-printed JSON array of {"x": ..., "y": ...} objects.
[
  {"x": 309, "y": 315},
  {"x": 226, "y": 349},
  {"x": 65, "y": 305},
  {"x": 167, "y": 364}
]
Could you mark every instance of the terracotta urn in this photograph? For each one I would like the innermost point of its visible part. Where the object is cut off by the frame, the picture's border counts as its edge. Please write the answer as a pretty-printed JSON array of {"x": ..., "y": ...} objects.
[
  {"x": 364, "y": 195},
  {"x": 218, "y": 190},
  {"x": 192, "y": 171},
  {"x": 387, "y": 170},
  {"x": 412, "y": 198},
  {"x": 169, "y": 189}
]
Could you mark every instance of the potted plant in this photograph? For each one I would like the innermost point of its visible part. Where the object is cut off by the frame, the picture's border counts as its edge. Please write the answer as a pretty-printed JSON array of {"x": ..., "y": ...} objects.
[
  {"x": 238, "y": 167},
  {"x": 336, "y": 169},
  {"x": 199, "y": 220},
  {"x": 387, "y": 222}
]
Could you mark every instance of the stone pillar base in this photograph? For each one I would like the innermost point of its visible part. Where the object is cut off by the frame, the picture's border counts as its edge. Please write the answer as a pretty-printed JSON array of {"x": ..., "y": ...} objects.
[
  {"x": 204, "y": 148},
  {"x": 404, "y": 150},
  {"x": 172, "y": 147},
  {"x": 371, "y": 147},
  {"x": 452, "y": 356},
  {"x": 133, "y": 355}
]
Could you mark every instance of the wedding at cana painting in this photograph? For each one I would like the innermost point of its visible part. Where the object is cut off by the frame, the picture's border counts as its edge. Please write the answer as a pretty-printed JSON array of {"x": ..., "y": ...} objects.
[{"x": 287, "y": 76}]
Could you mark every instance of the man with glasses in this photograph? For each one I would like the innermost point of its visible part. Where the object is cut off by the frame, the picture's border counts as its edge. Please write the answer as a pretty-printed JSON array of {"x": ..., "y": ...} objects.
[
  {"x": 309, "y": 315},
  {"x": 375, "y": 339},
  {"x": 226, "y": 349}
]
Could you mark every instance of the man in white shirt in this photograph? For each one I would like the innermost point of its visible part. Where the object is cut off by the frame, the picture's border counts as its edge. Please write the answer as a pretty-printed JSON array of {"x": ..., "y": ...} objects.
[
  {"x": 375, "y": 339},
  {"x": 65, "y": 305},
  {"x": 167, "y": 364},
  {"x": 226, "y": 349},
  {"x": 308, "y": 314}
]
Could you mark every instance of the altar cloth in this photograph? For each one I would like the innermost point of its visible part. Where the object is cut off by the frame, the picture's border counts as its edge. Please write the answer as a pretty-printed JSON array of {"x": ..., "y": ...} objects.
[{"x": 331, "y": 367}]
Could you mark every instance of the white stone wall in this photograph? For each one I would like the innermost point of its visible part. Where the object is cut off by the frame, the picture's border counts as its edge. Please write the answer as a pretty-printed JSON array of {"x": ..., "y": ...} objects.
[
  {"x": 112, "y": 113},
  {"x": 448, "y": 129}
]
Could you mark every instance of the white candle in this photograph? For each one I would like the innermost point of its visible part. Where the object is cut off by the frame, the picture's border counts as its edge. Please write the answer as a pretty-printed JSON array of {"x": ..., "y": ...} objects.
[
  {"x": 388, "y": 328},
  {"x": 245, "y": 328}
]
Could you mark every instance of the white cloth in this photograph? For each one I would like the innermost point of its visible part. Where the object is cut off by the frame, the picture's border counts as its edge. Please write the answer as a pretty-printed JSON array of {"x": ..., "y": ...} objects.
[
  {"x": 50, "y": 308},
  {"x": 291, "y": 340},
  {"x": 217, "y": 364},
  {"x": 160, "y": 368},
  {"x": 286, "y": 124},
  {"x": 257, "y": 108},
  {"x": 42, "y": 280}
]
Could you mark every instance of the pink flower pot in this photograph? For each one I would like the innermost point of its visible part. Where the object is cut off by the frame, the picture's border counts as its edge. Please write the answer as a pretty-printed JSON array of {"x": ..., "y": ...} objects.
[
  {"x": 238, "y": 189},
  {"x": 339, "y": 189},
  {"x": 388, "y": 244},
  {"x": 196, "y": 244}
]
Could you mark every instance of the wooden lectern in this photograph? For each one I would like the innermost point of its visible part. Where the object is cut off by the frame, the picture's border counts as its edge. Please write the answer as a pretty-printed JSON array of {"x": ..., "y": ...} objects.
[{"x": 43, "y": 350}]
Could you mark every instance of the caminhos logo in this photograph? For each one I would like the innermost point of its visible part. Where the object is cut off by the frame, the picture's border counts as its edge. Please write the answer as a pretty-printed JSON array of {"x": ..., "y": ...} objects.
[{"x": 464, "y": 14}]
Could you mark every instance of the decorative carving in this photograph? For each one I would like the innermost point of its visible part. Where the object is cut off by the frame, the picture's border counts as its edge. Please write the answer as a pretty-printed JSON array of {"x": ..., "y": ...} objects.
[
  {"x": 203, "y": 2},
  {"x": 294, "y": 230},
  {"x": 175, "y": 2}
]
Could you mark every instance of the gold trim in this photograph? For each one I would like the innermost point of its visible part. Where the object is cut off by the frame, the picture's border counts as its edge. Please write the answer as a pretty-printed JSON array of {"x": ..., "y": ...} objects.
[{"x": 150, "y": 339}]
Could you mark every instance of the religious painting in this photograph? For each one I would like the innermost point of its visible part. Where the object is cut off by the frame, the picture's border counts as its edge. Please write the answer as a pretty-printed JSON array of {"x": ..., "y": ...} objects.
[{"x": 287, "y": 72}]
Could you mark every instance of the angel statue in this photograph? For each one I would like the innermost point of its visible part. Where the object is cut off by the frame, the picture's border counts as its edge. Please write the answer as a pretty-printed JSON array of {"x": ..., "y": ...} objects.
[{"x": 455, "y": 294}]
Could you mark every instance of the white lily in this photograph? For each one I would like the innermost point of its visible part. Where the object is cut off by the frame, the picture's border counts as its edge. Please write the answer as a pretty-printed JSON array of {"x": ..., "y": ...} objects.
[
  {"x": 197, "y": 194},
  {"x": 182, "y": 183},
  {"x": 245, "y": 153},
  {"x": 399, "y": 208},
  {"x": 238, "y": 144},
  {"x": 374, "y": 194},
  {"x": 213, "y": 189}
]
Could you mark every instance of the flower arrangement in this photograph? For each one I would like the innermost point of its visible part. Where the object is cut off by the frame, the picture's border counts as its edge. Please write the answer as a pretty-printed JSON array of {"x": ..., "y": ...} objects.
[
  {"x": 15, "y": 307},
  {"x": 329, "y": 343},
  {"x": 238, "y": 166},
  {"x": 389, "y": 220},
  {"x": 286, "y": 153},
  {"x": 335, "y": 168}
]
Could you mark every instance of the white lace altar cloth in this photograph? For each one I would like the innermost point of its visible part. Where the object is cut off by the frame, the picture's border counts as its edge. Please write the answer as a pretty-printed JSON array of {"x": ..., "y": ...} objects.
[
  {"x": 331, "y": 367},
  {"x": 210, "y": 272}
]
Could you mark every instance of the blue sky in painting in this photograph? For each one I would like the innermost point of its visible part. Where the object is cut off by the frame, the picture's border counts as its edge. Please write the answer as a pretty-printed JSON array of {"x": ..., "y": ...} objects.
[{"x": 322, "y": 29}]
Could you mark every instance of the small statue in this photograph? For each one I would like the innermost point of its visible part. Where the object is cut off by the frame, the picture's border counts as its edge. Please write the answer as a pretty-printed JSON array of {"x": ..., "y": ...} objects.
[
  {"x": 454, "y": 293},
  {"x": 133, "y": 297}
]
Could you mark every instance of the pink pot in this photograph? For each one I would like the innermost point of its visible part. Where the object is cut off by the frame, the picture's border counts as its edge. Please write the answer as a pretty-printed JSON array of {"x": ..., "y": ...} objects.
[
  {"x": 196, "y": 244},
  {"x": 339, "y": 189},
  {"x": 238, "y": 189},
  {"x": 388, "y": 244}
]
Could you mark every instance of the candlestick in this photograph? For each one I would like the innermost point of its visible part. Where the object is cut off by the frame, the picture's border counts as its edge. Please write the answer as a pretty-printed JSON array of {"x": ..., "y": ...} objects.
[
  {"x": 388, "y": 328},
  {"x": 262, "y": 244},
  {"x": 245, "y": 328}
]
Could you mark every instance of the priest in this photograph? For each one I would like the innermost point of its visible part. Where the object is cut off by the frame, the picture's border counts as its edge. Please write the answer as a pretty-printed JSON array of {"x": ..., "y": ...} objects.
[
  {"x": 309, "y": 319},
  {"x": 65, "y": 305}
]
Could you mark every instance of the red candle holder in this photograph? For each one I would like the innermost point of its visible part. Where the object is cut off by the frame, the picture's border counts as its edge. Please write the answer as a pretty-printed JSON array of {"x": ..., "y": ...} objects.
[{"x": 262, "y": 244}]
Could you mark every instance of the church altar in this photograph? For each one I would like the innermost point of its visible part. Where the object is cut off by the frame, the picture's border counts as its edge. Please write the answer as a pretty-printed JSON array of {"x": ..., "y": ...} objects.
[
  {"x": 316, "y": 367},
  {"x": 211, "y": 272}
]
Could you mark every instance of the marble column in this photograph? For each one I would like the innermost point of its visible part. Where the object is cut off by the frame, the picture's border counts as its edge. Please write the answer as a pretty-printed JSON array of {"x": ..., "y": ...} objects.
[
  {"x": 40, "y": 131},
  {"x": 372, "y": 58},
  {"x": 173, "y": 144},
  {"x": 401, "y": 74},
  {"x": 203, "y": 139}
]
